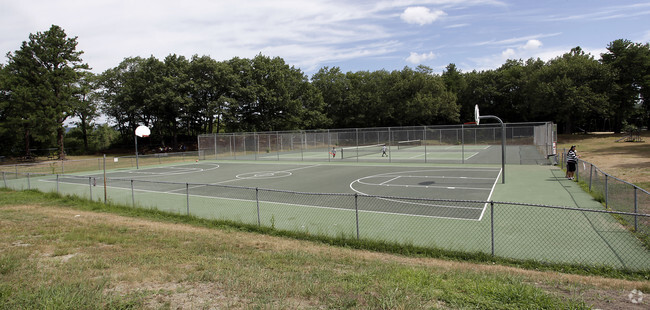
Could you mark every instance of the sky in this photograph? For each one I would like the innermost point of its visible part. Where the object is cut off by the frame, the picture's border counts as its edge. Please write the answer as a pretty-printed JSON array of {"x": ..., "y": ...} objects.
[{"x": 312, "y": 34}]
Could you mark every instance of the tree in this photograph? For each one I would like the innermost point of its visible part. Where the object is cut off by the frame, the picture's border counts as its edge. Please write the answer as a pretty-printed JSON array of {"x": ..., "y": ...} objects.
[
  {"x": 334, "y": 87},
  {"x": 418, "y": 97},
  {"x": 481, "y": 90},
  {"x": 630, "y": 64},
  {"x": 7, "y": 130},
  {"x": 45, "y": 73},
  {"x": 211, "y": 86},
  {"x": 170, "y": 96},
  {"x": 572, "y": 91},
  {"x": 270, "y": 95},
  {"x": 86, "y": 106},
  {"x": 124, "y": 90},
  {"x": 455, "y": 82}
]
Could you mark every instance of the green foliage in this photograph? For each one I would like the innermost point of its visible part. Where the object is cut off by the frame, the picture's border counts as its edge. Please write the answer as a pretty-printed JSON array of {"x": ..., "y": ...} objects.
[
  {"x": 95, "y": 139},
  {"x": 42, "y": 79},
  {"x": 45, "y": 82},
  {"x": 629, "y": 64}
]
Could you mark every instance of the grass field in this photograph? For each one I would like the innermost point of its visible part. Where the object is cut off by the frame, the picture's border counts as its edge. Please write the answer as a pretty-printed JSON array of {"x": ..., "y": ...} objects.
[{"x": 63, "y": 253}]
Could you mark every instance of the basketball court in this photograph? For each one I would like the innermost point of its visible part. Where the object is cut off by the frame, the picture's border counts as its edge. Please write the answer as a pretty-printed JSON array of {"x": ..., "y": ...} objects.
[{"x": 418, "y": 183}]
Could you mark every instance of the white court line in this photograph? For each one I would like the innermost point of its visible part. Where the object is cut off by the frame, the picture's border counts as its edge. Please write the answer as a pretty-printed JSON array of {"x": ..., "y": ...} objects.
[
  {"x": 312, "y": 206},
  {"x": 239, "y": 179},
  {"x": 395, "y": 178},
  {"x": 491, "y": 192},
  {"x": 422, "y": 186},
  {"x": 434, "y": 158}
]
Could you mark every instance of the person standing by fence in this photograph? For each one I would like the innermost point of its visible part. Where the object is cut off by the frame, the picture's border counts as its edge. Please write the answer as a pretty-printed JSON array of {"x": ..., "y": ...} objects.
[{"x": 571, "y": 162}]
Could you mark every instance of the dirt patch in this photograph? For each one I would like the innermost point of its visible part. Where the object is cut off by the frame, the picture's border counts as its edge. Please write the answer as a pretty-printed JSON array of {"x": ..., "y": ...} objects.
[{"x": 629, "y": 161}]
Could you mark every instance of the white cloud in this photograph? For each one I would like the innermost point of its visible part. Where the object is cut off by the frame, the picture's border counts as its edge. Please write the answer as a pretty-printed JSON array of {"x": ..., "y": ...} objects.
[
  {"x": 362, "y": 35},
  {"x": 508, "y": 53},
  {"x": 421, "y": 15},
  {"x": 530, "y": 49},
  {"x": 532, "y": 45},
  {"x": 457, "y": 26},
  {"x": 416, "y": 58},
  {"x": 517, "y": 40}
]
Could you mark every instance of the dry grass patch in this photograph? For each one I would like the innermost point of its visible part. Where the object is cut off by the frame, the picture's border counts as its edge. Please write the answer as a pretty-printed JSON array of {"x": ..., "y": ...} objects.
[
  {"x": 179, "y": 266},
  {"x": 629, "y": 161}
]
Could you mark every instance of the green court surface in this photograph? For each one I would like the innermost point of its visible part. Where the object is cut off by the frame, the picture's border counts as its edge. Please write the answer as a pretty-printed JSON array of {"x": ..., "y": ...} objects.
[{"x": 448, "y": 206}]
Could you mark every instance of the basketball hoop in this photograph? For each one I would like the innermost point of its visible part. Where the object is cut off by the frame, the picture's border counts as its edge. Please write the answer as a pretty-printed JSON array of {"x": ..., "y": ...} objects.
[
  {"x": 142, "y": 131},
  {"x": 477, "y": 118}
]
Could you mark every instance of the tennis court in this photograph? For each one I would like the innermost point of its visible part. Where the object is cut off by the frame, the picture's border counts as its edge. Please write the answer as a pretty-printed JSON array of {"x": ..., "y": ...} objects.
[
  {"x": 446, "y": 206},
  {"x": 415, "y": 182}
]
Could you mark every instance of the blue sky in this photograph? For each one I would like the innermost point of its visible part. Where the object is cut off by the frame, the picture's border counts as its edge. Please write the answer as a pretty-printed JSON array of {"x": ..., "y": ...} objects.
[{"x": 311, "y": 34}]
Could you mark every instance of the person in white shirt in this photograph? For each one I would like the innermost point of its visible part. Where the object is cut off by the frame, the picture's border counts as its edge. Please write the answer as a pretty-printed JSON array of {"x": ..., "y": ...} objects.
[{"x": 571, "y": 162}]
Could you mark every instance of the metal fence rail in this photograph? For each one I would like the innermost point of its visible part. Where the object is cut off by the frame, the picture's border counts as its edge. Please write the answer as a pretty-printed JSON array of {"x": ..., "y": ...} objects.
[
  {"x": 616, "y": 195},
  {"x": 95, "y": 164},
  {"x": 552, "y": 234},
  {"x": 529, "y": 143}
]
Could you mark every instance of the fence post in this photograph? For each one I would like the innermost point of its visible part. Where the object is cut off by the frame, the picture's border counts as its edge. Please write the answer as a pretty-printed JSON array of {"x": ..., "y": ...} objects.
[
  {"x": 90, "y": 186},
  {"x": 4, "y": 178},
  {"x": 57, "y": 184},
  {"x": 636, "y": 211},
  {"x": 187, "y": 194},
  {"x": 591, "y": 175},
  {"x": 29, "y": 184},
  {"x": 606, "y": 191},
  {"x": 424, "y": 139},
  {"x": 132, "y": 195},
  {"x": 105, "y": 187},
  {"x": 257, "y": 199},
  {"x": 492, "y": 224},
  {"x": 356, "y": 211}
]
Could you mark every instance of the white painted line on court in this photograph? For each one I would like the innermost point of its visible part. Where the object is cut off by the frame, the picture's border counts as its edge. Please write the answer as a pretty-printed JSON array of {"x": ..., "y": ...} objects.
[
  {"x": 491, "y": 192},
  {"x": 327, "y": 208},
  {"x": 395, "y": 178}
]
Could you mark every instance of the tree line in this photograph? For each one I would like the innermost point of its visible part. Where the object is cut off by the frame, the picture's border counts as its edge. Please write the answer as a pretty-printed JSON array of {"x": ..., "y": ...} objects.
[{"x": 45, "y": 83}]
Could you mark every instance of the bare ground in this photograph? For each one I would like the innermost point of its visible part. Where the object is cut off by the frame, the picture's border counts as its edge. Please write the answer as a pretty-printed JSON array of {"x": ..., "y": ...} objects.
[{"x": 629, "y": 161}]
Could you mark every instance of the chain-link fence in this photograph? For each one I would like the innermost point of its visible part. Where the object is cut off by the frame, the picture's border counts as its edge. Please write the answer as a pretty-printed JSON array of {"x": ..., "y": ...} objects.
[
  {"x": 527, "y": 143},
  {"x": 617, "y": 195},
  {"x": 94, "y": 164},
  {"x": 551, "y": 234}
]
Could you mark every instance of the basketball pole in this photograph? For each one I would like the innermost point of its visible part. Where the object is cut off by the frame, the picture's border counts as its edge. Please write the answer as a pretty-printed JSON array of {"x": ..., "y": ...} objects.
[
  {"x": 142, "y": 131},
  {"x": 477, "y": 119},
  {"x": 503, "y": 145},
  {"x": 137, "y": 166}
]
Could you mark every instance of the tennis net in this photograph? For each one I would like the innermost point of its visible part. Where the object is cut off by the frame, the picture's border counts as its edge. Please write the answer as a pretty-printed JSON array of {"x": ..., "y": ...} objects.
[
  {"x": 408, "y": 144},
  {"x": 358, "y": 151}
]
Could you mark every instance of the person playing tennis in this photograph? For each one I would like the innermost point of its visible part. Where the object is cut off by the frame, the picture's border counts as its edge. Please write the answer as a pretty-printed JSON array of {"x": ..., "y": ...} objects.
[
  {"x": 383, "y": 151},
  {"x": 333, "y": 152}
]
